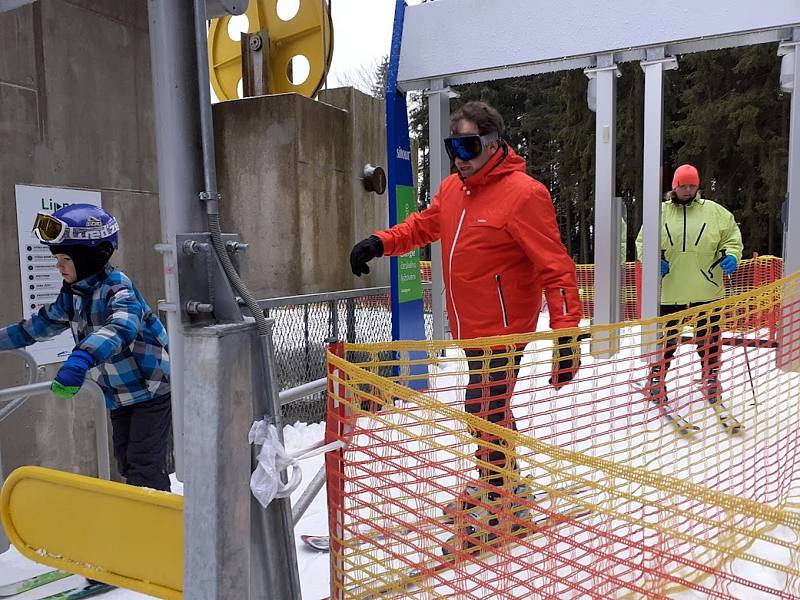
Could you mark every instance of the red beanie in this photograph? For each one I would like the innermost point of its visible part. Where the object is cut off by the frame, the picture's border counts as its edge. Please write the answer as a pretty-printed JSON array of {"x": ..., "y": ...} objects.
[{"x": 685, "y": 175}]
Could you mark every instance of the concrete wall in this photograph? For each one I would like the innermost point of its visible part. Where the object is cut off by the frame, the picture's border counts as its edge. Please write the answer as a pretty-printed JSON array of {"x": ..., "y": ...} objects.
[
  {"x": 289, "y": 170},
  {"x": 75, "y": 111}
]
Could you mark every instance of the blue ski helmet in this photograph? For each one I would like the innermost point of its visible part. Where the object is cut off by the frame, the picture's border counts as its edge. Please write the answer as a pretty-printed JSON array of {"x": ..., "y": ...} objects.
[{"x": 76, "y": 225}]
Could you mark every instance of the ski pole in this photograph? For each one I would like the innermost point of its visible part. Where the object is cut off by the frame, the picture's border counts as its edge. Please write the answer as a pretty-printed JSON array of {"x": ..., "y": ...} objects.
[{"x": 744, "y": 341}]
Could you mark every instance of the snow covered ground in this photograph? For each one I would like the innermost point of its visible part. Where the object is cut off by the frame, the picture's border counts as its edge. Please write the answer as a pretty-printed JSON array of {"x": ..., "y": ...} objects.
[{"x": 314, "y": 568}]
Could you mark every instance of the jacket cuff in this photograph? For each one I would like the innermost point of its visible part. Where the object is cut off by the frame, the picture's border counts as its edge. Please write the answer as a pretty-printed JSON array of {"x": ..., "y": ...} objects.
[{"x": 387, "y": 242}]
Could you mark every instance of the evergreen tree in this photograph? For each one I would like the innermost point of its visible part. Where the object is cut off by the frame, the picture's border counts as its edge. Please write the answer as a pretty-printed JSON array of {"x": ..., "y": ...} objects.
[
  {"x": 732, "y": 123},
  {"x": 723, "y": 112}
]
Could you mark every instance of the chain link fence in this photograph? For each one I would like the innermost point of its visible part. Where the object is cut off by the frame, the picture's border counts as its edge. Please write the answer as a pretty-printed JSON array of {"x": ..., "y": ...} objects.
[{"x": 304, "y": 323}]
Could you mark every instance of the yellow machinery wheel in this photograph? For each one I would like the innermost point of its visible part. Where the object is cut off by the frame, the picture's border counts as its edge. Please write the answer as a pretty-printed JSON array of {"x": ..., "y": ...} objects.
[{"x": 308, "y": 34}]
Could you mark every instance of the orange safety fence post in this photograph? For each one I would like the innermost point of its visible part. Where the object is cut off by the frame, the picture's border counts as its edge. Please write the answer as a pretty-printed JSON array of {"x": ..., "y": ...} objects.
[{"x": 336, "y": 428}]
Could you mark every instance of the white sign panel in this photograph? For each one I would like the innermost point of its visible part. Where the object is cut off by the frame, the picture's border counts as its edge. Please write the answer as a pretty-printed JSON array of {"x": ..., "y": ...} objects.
[{"x": 40, "y": 280}]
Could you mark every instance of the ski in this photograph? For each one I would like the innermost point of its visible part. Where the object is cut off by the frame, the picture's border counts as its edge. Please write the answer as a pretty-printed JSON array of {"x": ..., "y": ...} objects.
[
  {"x": 320, "y": 543},
  {"x": 434, "y": 566},
  {"x": 681, "y": 424},
  {"x": 30, "y": 583},
  {"x": 724, "y": 417},
  {"x": 83, "y": 591},
  {"x": 729, "y": 423},
  {"x": 536, "y": 497}
]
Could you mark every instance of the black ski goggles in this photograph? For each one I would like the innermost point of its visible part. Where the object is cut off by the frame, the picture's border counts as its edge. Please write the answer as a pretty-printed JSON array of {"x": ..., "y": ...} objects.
[{"x": 467, "y": 147}]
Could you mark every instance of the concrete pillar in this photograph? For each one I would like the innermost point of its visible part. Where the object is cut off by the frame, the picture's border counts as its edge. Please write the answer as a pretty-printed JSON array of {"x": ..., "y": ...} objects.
[{"x": 288, "y": 187}]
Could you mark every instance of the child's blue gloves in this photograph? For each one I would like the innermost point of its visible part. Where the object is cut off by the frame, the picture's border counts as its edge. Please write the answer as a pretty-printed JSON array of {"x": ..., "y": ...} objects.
[
  {"x": 728, "y": 264},
  {"x": 664, "y": 267},
  {"x": 72, "y": 373}
]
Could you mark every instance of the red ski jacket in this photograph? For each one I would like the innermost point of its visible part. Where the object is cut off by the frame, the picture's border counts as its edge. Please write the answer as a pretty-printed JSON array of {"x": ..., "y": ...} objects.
[{"x": 500, "y": 248}]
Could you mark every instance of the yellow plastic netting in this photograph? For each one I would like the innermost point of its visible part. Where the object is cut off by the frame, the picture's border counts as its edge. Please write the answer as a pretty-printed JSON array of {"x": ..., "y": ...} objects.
[{"x": 467, "y": 475}]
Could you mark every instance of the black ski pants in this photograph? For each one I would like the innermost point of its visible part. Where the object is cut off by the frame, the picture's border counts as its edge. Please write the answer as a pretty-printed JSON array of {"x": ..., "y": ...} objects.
[
  {"x": 141, "y": 441},
  {"x": 488, "y": 395},
  {"x": 707, "y": 336}
]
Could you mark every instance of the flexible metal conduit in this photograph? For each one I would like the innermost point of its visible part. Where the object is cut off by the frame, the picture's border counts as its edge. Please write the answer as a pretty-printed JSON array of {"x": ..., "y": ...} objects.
[{"x": 269, "y": 405}]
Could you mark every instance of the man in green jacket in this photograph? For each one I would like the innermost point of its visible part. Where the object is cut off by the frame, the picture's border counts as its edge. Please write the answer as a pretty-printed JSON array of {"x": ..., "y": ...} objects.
[{"x": 699, "y": 242}]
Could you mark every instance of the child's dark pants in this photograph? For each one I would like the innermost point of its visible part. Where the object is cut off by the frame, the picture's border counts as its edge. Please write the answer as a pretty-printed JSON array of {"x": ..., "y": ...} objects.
[{"x": 141, "y": 442}]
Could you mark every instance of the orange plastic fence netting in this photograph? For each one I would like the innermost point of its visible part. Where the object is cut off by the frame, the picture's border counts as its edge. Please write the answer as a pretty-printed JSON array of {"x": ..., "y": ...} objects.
[
  {"x": 668, "y": 467},
  {"x": 752, "y": 273}
]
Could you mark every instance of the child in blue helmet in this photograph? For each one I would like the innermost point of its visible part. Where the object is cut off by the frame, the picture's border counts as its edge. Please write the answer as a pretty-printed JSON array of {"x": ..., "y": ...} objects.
[{"x": 118, "y": 339}]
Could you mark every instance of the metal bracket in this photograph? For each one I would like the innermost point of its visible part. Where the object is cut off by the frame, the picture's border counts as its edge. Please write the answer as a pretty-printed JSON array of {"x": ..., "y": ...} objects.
[
  {"x": 447, "y": 90},
  {"x": 256, "y": 77},
  {"x": 670, "y": 63},
  {"x": 210, "y": 196},
  {"x": 206, "y": 294}
]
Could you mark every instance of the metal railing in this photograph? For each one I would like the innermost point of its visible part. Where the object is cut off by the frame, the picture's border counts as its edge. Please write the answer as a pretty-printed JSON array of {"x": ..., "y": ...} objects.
[
  {"x": 304, "y": 323},
  {"x": 15, "y": 397}
]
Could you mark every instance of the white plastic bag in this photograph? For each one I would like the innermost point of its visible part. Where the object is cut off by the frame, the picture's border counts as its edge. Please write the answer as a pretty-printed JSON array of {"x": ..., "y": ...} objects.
[{"x": 265, "y": 482}]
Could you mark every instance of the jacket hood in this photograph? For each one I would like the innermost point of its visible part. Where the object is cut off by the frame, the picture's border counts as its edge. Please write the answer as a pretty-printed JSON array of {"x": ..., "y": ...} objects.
[{"x": 501, "y": 163}]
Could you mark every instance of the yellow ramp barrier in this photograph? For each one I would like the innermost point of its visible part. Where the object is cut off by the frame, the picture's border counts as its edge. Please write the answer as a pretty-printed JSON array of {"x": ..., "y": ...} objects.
[{"x": 119, "y": 534}]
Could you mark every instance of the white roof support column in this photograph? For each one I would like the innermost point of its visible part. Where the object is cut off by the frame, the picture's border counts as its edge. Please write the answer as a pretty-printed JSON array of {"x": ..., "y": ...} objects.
[
  {"x": 791, "y": 242},
  {"x": 788, "y": 338},
  {"x": 438, "y": 128},
  {"x": 606, "y": 243},
  {"x": 652, "y": 169}
]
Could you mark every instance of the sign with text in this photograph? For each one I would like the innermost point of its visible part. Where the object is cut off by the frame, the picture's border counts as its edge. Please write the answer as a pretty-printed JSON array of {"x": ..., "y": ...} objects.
[
  {"x": 409, "y": 283},
  {"x": 40, "y": 281}
]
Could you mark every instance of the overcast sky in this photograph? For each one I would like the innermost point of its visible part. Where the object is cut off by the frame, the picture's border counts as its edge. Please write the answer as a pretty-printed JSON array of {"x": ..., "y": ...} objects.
[{"x": 362, "y": 35}]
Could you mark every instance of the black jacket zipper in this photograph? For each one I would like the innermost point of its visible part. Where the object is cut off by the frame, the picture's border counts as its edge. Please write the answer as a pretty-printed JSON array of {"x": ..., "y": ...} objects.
[
  {"x": 699, "y": 235},
  {"x": 669, "y": 235},
  {"x": 502, "y": 300},
  {"x": 684, "y": 228}
]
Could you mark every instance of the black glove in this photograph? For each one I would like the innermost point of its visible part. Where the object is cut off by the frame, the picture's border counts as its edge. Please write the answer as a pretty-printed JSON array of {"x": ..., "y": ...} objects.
[
  {"x": 566, "y": 360},
  {"x": 363, "y": 252}
]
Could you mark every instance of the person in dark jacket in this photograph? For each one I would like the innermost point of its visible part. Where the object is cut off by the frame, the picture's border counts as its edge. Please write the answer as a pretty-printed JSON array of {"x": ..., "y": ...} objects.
[{"x": 119, "y": 341}]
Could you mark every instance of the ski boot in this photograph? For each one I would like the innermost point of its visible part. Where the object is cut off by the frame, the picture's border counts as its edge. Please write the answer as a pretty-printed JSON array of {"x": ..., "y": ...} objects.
[
  {"x": 711, "y": 386},
  {"x": 473, "y": 500},
  {"x": 483, "y": 516},
  {"x": 656, "y": 389},
  {"x": 476, "y": 499},
  {"x": 712, "y": 390}
]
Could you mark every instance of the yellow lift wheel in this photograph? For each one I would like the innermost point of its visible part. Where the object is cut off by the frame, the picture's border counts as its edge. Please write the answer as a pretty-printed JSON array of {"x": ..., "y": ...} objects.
[{"x": 306, "y": 36}]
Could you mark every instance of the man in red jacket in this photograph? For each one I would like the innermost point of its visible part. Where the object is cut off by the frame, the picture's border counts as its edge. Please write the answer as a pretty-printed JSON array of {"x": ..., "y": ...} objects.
[{"x": 500, "y": 248}]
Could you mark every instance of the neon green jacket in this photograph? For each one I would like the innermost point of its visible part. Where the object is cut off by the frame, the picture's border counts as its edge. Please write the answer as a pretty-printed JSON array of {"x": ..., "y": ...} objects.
[{"x": 692, "y": 236}]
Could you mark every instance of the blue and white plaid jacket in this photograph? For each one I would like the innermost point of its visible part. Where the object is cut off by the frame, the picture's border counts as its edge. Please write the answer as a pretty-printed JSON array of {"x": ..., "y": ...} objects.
[{"x": 111, "y": 321}]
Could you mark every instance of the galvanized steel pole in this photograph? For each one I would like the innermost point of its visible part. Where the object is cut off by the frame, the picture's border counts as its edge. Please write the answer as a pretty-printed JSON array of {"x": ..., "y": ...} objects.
[{"x": 180, "y": 169}]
